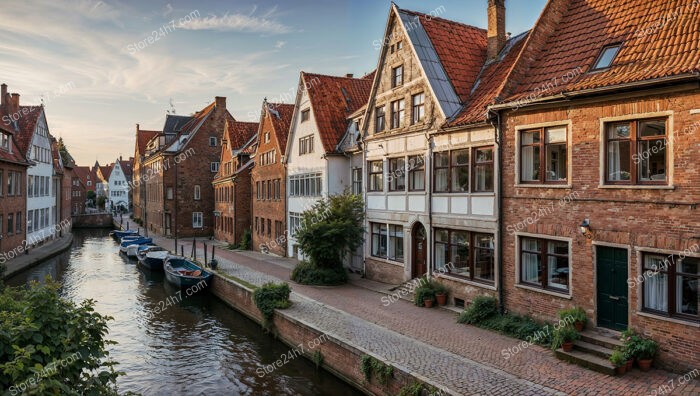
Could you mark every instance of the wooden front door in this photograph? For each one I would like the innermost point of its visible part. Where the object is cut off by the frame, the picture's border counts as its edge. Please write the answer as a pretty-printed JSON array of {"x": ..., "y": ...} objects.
[
  {"x": 420, "y": 251},
  {"x": 612, "y": 289}
]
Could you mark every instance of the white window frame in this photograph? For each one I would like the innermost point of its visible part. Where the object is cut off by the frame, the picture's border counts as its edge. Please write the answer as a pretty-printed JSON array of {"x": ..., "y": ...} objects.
[
  {"x": 197, "y": 220},
  {"x": 197, "y": 192}
]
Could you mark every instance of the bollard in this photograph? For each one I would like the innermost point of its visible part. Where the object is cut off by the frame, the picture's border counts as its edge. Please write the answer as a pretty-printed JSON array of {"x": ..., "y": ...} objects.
[
  {"x": 205, "y": 253},
  {"x": 212, "y": 252},
  {"x": 182, "y": 250}
]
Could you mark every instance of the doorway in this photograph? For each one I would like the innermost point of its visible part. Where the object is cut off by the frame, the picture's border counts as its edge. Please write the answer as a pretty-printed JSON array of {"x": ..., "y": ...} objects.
[
  {"x": 611, "y": 286},
  {"x": 420, "y": 251}
]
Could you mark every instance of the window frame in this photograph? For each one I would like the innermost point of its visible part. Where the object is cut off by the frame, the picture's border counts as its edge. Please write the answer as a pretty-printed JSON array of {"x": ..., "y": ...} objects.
[
  {"x": 420, "y": 107},
  {"x": 212, "y": 139},
  {"x": 305, "y": 115},
  {"x": 379, "y": 114},
  {"x": 372, "y": 174},
  {"x": 672, "y": 274},
  {"x": 542, "y": 156},
  {"x": 472, "y": 255},
  {"x": 394, "y": 176},
  {"x": 197, "y": 192},
  {"x": 397, "y": 76},
  {"x": 357, "y": 181},
  {"x": 414, "y": 169},
  {"x": 197, "y": 216},
  {"x": 635, "y": 141},
  {"x": 595, "y": 67},
  {"x": 397, "y": 115},
  {"x": 392, "y": 230},
  {"x": 543, "y": 254},
  {"x": 478, "y": 164},
  {"x": 450, "y": 168}
]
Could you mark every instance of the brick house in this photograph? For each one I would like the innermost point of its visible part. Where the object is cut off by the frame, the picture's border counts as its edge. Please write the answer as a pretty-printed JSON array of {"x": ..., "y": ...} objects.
[
  {"x": 13, "y": 169},
  {"x": 138, "y": 194},
  {"x": 600, "y": 171},
  {"x": 269, "y": 180},
  {"x": 178, "y": 171},
  {"x": 79, "y": 189},
  {"x": 316, "y": 167},
  {"x": 232, "y": 198},
  {"x": 429, "y": 170}
]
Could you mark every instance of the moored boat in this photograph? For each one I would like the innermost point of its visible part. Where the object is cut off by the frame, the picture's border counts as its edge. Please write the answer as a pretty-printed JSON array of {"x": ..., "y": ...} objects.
[
  {"x": 152, "y": 259},
  {"x": 184, "y": 273},
  {"x": 132, "y": 250},
  {"x": 138, "y": 241},
  {"x": 121, "y": 234}
]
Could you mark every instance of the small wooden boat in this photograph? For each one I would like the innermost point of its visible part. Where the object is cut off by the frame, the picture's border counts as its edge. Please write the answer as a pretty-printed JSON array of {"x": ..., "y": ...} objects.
[
  {"x": 132, "y": 250},
  {"x": 152, "y": 258},
  {"x": 184, "y": 273},
  {"x": 138, "y": 241},
  {"x": 121, "y": 234}
]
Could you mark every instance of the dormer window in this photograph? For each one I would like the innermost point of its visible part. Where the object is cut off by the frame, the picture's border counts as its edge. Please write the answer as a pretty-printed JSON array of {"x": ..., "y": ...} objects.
[
  {"x": 6, "y": 142},
  {"x": 606, "y": 57}
]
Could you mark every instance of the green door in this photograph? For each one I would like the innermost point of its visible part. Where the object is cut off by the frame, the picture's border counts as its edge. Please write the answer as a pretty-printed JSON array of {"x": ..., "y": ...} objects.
[{"x": 612, "y": 287}]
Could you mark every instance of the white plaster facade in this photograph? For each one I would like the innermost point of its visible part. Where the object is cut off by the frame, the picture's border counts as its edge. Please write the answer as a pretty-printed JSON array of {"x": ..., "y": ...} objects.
[
  {"x": 41, "y": 190},
  {"x": 117, "y": 187}
]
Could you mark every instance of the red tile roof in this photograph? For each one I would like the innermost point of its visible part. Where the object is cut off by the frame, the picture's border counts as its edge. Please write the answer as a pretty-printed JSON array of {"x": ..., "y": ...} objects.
[
  {"x": 239, "y": 133},
  {"x": 29, "y": 116},
  {"x": 281, "y": 119},
  {"x": 127, "y": 167},
  {"x": 333, "y": 99},
  {"x": 461, "y": 49},
  {"x": 106, "y": 170},
  {"x": 142, "y": 138},
  {"x": 82, "y": 172},
  {"x": 659, "y": 39}
]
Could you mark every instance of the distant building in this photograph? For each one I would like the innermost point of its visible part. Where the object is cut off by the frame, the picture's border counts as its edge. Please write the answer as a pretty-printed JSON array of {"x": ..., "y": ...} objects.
[{"x": 138, "y": 193}]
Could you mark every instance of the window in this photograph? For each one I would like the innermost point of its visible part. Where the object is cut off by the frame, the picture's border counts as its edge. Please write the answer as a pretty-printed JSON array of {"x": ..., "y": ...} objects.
[
  {"x": 418, "y": 112},
  {"x": 397, "y": 110},
  {"x": 257, "y": 190},
  {"x": 197, "y": 220},
  {"x": 636, "y": 152},
  {"x": 214, "y": 166},
  {"x": 399, "y": 45},
  {"x": 5, "y": 141},
  {"x": 267, "y": 137},
  {"x": 416, "y": 173},
  {"x": 670, "y": 285},
  {"x": 379, "y": 115},
  {"x": 397, "y": 76},
  {"x": 375, "y": 176},
  {"x": 37, "y": 215},
  {"x": 278, "y": 192},
  {"x": 294, "y": 222},
  {"x": 269, "y": 189},
  {"x": 305, "y": 115},
  {"x": 397, "y": 174},
  {"x": 544, "y": 264},
  {"x": 262, "y": 226},
  {"x": 387, "y": 241},
  {"x": 606, "y": 57},
  {"x": 269, "y": 228},
  {"x": 2, "y": 184},
  {"x": 212, "y": 141},
  {"x": 257, "y": 228},
  {"x": 306, "y": 145},
  {"x": 451, "y": 171},
  {"x": 169, "y": 193},
  {"x": 18, "y": 222},
  {"x": 305, "y": 185},
  {"x": 483, "y": 169},
  {"x": 278, "y": 229},
  {"x": 264, "y": 189},
  {"x": 30, "y": 221},
  {"x": 465, "y": 254},
  {"x": 357, "y": 181},
  {"x": 10, "y": 224},
  {"x": 543, "y": 156},
  {"x": 197, "y": 193}
]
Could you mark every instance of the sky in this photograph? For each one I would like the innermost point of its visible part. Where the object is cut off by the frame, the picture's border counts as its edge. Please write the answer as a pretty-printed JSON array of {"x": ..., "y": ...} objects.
[{"x": 101, "y": 67}]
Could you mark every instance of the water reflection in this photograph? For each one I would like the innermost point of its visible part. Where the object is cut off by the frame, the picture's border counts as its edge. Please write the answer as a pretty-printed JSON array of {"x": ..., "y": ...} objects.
[{"x": 190, "y": 346}]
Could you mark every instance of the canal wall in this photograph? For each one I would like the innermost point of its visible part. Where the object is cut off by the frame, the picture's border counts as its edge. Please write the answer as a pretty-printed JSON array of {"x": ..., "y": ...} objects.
[
  {"x": 35, "y": 256},
  {"x": 339, "y": 357},
  {"x": 96, "y": 220}
]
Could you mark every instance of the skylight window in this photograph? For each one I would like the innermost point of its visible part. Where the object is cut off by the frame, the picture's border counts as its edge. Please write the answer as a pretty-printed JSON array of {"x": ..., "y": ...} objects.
[{"x": 607, "y": 56}]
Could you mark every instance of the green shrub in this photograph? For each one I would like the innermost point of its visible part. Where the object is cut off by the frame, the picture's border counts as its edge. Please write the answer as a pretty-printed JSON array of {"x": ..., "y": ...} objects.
[
  {"x": 246, "y": 241},
  {"x": 425, "y": 290},
  {"x": 646, "y": 349},
  {"x": 269, "y": 297},
  {"x": 415, "y": 389},
  {"x": 618, "y": 358},
  {"x": 564, "y": 334},
  {"x": 483, "y": 307},
  {"x": 53, "y": 345},
  {"x": 373, "y": 367},
  {"x": 577, "y": 314},
  {"x": 317, "y": 358},
  {"x": 309, "y": 274}
]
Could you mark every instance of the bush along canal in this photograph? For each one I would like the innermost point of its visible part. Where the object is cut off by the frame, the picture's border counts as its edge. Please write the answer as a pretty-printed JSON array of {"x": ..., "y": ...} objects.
[{"x": 172, "y": 341}]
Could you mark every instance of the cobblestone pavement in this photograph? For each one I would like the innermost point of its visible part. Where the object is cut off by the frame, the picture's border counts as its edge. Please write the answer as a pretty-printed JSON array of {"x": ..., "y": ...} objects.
[{"x": 429, "y": 341}]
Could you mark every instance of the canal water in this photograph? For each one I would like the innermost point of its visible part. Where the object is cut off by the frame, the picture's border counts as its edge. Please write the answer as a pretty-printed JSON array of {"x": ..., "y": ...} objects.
[{"x": 196, "y": 346}]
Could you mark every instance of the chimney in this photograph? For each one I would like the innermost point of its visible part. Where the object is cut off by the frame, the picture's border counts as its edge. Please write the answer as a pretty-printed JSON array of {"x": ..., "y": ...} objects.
[
  {"x": 137, "y": 128},
  {"x": 221, "y": 102},
  {"x": 3, "y": 92},
  {"x": 349, "y": 75},
  {"x": 497, "y": 27},
  {"x": 15, "y": 102}
]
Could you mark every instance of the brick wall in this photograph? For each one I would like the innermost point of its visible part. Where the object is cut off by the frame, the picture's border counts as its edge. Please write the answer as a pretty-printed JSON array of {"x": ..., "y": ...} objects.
[
  {"x": 12, "y": 205},
  {"x": 382, "y": 271},
  {"x": 665, "y": 219}
]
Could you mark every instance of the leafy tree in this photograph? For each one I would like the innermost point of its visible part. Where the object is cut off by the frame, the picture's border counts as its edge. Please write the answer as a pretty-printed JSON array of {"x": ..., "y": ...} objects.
[
  {"x": 91, "y": 196},
  {"x": 49, "y": 345},
  {"x": 332, "y": 229},
  {"x": 63, "y": 151},
  {"x": 101, "y": 201}
]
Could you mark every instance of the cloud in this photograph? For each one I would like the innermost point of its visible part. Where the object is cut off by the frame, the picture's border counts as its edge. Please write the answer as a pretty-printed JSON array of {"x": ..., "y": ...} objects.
[
  {"x": 240, "y": 23},
  {"x": 168, "y": 10},
  {"x": 280, "y": 44}
]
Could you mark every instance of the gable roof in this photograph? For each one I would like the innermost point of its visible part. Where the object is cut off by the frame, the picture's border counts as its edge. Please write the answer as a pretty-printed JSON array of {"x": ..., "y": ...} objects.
[
  {"x": 106, "y": 171},
  {"x": 238, "y": 133},
  {"x": 333, "y": 99},
  {"x": 27, "y": 125},
  {"x": 190, "y": 127},
  {"x": 281, "y": 117},
  {"x": 16, "y": 155},
  {"x": 174, "y": 123},
  {"x": 651, "y": 49},
  {"x": 142, "y": 138},
  {"x": 126, "y": 166},
  {"x": 82, "y": 173}
]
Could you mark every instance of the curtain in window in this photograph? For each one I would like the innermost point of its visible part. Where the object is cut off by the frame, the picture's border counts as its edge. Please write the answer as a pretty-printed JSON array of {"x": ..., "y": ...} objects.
[
  {"x": 528, "y": 165},
  {"x": 530, "y": 261},
  {"x": 614, "y": 161},
  {"x": 655, "y": 286}
]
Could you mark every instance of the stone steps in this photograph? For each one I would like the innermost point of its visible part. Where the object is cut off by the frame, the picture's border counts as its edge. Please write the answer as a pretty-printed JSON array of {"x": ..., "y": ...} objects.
[{"x": 593, "y": 350}]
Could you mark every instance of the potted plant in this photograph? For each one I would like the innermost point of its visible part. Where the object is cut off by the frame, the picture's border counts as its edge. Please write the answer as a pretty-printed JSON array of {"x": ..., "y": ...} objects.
[
  {"x": 564, "y": 337},
  {"x": 577, "y": 316},
  {"x": 425, "y": 295},
  {"x": 645, "y": 351},
  {"x": 630, "y": 342},
  {"x": 440, "y": 293},
  {"x": 619, "y": 360}
]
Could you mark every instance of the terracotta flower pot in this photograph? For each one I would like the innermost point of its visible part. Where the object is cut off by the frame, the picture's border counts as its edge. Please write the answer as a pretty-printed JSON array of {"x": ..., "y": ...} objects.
[
  {"x": 621, "y": 370},
  {"x": 428, "y": 302},
  {"x": 579, "y": 326},
  {"x": 629, "y": 364},
  {"x": 441, "y": 299},
  {"x": 644, "y": 364},
  {"x": 567, "y": 346}
]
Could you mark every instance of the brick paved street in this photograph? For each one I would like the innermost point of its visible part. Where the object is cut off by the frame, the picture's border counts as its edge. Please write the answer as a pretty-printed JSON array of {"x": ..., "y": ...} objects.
[{"x": 429, "y": 342}]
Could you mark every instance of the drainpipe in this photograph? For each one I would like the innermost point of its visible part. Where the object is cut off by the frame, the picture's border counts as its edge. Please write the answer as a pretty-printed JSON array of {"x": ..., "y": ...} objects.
[
  {"x": 364, "y": 196},
  {"x": 499, "y": 233},
  {"x": 429, "y": 188}
]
